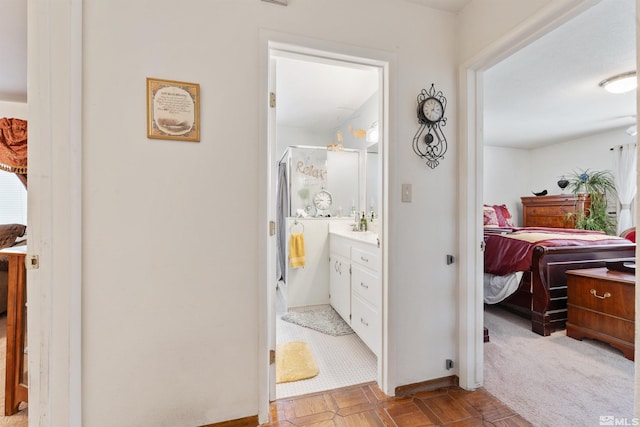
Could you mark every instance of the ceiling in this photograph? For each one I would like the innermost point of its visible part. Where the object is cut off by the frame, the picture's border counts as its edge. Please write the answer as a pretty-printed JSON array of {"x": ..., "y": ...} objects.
[
  {"x": 549, "y": 92},
  {"x": 542, "y": 94},
  {"x": 320, "y": 95}
]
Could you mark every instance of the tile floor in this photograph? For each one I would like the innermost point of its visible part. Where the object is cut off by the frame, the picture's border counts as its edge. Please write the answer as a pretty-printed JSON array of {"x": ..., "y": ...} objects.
[
  {"x": 342, "y": 361},
  {"x": 366, "y": 406}
]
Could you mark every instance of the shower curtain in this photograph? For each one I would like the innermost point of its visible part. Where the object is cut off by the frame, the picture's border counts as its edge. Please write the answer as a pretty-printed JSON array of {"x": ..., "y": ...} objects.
[{"x": 282, "y": 211}]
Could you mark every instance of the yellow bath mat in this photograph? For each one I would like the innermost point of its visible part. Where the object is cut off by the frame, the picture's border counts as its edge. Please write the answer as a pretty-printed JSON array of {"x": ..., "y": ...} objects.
[{"x": 294, "y": 362}]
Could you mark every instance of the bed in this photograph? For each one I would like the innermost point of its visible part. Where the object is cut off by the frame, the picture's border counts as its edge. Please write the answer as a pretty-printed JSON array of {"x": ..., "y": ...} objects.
[{"x": 525, "y": 268}]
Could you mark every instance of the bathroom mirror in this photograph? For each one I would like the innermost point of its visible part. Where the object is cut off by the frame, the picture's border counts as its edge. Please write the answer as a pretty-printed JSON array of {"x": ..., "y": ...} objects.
[
  {"x": 336, "y": 107},
  {"x": 372, "y": 180}
]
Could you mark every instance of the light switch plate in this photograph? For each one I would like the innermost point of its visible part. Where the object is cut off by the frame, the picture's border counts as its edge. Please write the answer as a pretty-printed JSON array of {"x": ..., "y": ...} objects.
[{"x": 406, "y": 193}]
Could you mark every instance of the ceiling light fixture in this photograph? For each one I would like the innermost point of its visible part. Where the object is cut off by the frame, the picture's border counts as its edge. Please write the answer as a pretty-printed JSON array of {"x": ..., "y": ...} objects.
[{"x": 620, "y": 83}]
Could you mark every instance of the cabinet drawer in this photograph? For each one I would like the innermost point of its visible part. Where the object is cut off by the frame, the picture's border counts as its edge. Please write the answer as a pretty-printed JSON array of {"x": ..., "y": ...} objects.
[
  {"x": 550, "y": 221},
  {"x": 367, "y": 258},
  {"x": 615, "y": 299},
  {"x": 339, "y": 246},
  {"x": 550, "y": 210},
  {"x": 611, "y": 326},
  {"x": 365, "y": 321},
  {"x": 366, "y": 283}
]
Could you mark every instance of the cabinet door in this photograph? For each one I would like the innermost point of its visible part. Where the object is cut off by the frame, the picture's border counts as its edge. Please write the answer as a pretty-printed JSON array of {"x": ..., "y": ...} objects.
[
  {"x": 340, "y": 286},
  {"x": 366, "y": 323}
]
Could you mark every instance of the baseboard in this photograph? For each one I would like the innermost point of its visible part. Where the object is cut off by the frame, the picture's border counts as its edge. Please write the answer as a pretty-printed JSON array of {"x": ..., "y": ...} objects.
[
  {"x": 437, "y": 383},
  {"x": 240, "y": 422}
]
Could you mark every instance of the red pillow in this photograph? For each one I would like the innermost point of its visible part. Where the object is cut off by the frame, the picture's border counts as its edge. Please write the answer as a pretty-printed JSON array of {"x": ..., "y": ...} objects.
[
  {"x": 629, "y": 234},
  {"x": 504, "y": 217},
  {"x": 490, "y": 217}
]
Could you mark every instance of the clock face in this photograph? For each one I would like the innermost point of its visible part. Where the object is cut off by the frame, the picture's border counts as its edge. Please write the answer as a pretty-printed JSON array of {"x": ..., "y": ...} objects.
[
  {"x": 432, "y": 109},
  {"x": 322, "y": 200}
]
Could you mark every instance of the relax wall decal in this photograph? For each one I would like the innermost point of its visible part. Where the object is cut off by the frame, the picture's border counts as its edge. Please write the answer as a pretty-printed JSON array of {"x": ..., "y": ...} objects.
[{"x": 311, "y": 170}]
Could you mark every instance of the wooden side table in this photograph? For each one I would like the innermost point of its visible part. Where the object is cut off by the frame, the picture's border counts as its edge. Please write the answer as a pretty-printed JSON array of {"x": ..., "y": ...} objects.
[
  {"x": 601, "y": 305},
  {"x": 16, "y": 390}
]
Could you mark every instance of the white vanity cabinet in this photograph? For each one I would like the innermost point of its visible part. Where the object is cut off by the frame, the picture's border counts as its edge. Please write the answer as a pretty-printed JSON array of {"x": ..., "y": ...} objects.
[
  {"x": 366, "y": 294},
  {"x": 355, "y": 286}
]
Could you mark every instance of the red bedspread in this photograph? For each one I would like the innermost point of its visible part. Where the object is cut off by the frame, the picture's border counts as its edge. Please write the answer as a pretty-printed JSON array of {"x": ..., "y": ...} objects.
[{"x": 512, "y": 252}]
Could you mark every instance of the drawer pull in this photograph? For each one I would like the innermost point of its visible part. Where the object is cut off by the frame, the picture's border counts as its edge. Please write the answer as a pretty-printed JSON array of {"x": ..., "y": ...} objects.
[
  {"x": 363, "y": 322},
  {"x": 595, "y": 294},
  {"x": 364, "y": 259},
  {"x": 364, "y": 286}
]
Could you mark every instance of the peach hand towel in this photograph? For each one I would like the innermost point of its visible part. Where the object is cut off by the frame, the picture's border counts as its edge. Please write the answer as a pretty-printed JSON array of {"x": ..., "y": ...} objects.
[{"x": 296, "y": 250}]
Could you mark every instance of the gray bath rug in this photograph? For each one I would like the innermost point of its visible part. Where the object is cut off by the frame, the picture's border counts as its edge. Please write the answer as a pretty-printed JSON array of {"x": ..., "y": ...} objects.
[{"x": 325, "y": 320}]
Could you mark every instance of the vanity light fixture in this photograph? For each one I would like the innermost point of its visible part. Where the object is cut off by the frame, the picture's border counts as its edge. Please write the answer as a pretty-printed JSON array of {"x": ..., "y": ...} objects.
[
  {"x": 372, "y": 133},
  {"x": 632, "y": 130},
  {"x": 620, "y": 83}
]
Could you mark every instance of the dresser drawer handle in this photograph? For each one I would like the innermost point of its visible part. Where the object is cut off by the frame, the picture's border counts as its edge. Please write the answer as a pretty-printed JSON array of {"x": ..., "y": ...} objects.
[
  {"x": 595, "y": 294},
  {"x": 364, "y": 259},
  {"x": 363, "y": 322},
  {"x": 364, "y": 286}
]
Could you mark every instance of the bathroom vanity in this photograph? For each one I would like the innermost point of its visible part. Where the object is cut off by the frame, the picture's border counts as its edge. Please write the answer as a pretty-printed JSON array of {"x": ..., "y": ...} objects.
[{"x": 355, "y": 289}]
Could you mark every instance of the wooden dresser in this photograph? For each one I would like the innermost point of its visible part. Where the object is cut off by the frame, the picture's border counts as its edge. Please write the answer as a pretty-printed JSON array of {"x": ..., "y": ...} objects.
[
  {"x": 551, "y": 211},
  {"x": 601, "y": 305}
]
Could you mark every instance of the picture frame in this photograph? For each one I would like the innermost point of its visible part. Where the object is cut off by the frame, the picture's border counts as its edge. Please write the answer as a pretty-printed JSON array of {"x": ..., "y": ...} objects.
[{"x": 173, "y": 110}]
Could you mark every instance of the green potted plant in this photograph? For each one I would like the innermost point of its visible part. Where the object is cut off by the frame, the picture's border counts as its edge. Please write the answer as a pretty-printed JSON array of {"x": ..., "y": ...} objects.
[{"x": 596, "y": 184}]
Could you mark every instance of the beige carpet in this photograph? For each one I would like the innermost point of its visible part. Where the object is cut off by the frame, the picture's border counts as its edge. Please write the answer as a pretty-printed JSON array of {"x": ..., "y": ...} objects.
[
  {"x": 294, "y": 362},
  {"x": 555, "y": 380}
]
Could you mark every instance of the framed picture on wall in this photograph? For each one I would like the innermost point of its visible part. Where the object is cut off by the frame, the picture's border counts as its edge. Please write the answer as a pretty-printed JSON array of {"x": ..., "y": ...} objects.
[{"x": 173, "y": 110}]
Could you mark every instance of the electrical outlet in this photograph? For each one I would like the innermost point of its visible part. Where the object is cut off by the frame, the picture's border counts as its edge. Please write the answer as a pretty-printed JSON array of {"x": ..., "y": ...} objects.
[{"x": 449, "y": 364}]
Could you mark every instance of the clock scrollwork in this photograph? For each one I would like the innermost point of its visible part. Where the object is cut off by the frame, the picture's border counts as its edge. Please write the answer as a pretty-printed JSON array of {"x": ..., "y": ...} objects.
[{"x": 429, "y": 142}]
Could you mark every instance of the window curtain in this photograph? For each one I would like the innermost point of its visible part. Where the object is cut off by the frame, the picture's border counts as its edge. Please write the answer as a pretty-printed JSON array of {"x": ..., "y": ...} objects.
[
  {"x": 625, "y": 166},
  {"x": 13, "y": 147}
]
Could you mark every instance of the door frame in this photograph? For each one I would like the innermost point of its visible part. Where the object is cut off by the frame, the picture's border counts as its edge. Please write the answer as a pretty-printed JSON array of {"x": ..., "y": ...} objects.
[
  {"x": 269, "y": 41},
  {"x": 471, "y": 98},
  {"x": 55, "y": 191}
]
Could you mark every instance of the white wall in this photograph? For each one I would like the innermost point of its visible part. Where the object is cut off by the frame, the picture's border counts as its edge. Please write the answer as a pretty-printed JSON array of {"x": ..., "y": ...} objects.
[
  {"x": 171, "y": 229},
  {"x": 512, "y": 173},
  {"x": 288, "y": 136},
  {"x": 548, "y": 164},
  {"x": 484, "y": 22},
  {"x": 16, "y": 110},
  {"x": 506, "y": 178}
]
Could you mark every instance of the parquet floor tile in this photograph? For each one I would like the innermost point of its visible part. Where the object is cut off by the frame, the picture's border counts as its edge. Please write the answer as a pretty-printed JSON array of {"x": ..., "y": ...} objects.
[{"x": 366, "y": 406}]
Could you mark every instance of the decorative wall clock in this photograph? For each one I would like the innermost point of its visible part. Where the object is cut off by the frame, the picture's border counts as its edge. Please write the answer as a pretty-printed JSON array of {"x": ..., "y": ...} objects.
[
  {"x": 429, "y": 143},
  {"x": 322, "y": 201}
]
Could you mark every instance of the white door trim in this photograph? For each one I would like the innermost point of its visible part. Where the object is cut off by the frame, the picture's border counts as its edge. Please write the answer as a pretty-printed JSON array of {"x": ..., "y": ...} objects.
[
  {"x": 54, "y": 211},
  {"x": 335, "y": 51},
  {"x": 470, "y": 160}
]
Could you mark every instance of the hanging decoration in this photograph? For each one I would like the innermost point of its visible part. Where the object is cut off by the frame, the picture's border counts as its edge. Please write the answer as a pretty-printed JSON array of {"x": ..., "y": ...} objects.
[{"x": 429, "y": 142}]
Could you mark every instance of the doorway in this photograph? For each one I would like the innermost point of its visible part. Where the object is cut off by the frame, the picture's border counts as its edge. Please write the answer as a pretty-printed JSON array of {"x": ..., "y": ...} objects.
[
  {"x": 472, "y": 90},
  {"x": 326, "y": 124}
]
